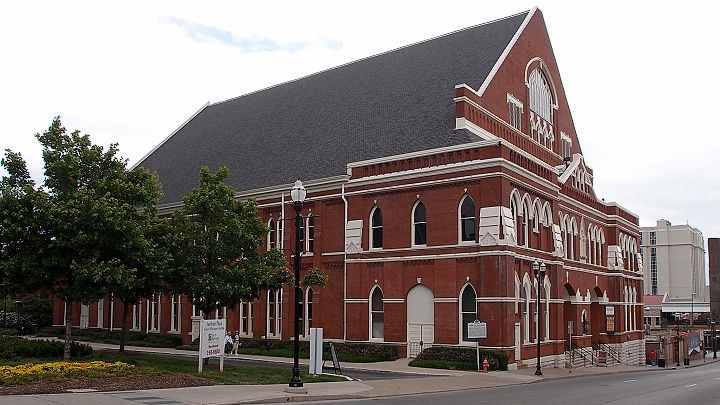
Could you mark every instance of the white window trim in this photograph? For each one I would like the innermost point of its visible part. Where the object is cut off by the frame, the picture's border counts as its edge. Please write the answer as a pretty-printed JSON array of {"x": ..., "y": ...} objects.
[
  {"x": 370, "y": 233},
  {"x": 246, "y": 306},
  {"x": 412, "y": 225},
  {"x": 460, "y": 223},
  {"x": 175, "y": 313},
  {"x": 370, "y": 314},
  {"x": 461, "y": 313}
]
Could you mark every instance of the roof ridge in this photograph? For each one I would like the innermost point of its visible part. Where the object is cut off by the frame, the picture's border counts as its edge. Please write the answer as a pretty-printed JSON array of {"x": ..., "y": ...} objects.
[{"x": 369, "y": 57}]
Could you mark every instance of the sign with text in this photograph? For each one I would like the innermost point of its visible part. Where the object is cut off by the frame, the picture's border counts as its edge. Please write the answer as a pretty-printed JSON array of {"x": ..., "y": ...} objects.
[
  {"x": 212, "y": 337},
  {"x": 477, "y": 330}
]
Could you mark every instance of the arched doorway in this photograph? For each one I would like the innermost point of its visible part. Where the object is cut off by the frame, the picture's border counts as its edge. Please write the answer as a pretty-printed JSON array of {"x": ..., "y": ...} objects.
[{"x": 420, "y": 319}]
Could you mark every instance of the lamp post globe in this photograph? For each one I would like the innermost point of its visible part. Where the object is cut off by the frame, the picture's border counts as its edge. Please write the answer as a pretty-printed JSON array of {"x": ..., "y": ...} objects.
[
  {"x": 297, "y": 194},
  {"x": 539, "y": 269}
]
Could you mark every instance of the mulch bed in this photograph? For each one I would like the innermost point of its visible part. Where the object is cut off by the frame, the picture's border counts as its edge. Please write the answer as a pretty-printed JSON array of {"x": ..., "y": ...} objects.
[{"x": 62, "y": 385}]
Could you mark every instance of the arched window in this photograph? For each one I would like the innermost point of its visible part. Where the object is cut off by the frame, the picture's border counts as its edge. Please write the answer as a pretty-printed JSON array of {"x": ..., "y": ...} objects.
[
  {"x": 540, "y": 95},
  {"x": 469, "y": 310},
  {"x": 419, "y": 230},
  {"x": 525, "y": 233},
  {"x": 271, "y": 241},
  {"x": 310, "y": 244},
  {"x": 467, "y": 219},
  {"x": 377, "y": 314},
  {"x": 376, "y": 228}
]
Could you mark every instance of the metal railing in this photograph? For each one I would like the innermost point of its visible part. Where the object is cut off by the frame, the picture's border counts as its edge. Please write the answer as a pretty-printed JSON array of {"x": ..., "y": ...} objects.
[
  {"x": 587, "y": 354},
  {"x": 612, "y": 352},
  {"x": 415, "y": 348}
]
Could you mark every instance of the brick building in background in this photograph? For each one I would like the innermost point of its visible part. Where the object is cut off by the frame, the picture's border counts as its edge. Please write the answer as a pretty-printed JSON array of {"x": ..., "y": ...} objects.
[{"x": 437, "y": 174}]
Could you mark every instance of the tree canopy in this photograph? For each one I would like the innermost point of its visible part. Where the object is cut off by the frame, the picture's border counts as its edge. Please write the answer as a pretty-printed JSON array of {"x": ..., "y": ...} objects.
[
  {"x": 220, "y": 263},
  {"x": 86, "y": 229}
]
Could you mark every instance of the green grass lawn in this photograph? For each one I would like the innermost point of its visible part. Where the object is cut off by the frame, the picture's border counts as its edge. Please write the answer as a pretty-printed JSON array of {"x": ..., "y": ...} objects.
[{"x": 147, "y": 364}]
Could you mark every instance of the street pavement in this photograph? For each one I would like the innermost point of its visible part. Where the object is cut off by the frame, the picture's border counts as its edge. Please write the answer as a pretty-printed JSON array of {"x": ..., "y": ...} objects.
[{"x": 424, "y": 381}]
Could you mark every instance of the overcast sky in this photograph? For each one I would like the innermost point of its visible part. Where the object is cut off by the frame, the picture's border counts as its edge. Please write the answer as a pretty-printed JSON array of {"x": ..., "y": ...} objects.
[{"x": 640, "y": 76}]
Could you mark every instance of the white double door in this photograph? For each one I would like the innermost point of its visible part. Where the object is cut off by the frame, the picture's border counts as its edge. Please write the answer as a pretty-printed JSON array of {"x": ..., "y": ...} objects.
[{"x": 420, "y": 315}]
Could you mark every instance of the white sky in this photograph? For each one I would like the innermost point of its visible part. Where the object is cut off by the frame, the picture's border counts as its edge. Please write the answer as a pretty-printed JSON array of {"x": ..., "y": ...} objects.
[{"x": 639, "y": 76}]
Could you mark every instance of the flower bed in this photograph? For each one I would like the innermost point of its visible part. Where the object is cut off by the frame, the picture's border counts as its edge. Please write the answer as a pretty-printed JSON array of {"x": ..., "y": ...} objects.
[{"x": 30, "y": 371}]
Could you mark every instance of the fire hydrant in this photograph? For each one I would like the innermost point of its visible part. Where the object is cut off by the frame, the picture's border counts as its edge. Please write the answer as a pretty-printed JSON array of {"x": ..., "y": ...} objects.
[{"x": 486, "y": 366}]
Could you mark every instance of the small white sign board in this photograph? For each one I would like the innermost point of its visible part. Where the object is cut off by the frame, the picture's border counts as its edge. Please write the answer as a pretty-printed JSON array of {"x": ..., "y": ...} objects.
[
  {"x": 212, "y": 341},
  {"x": 316, "y": 351},
  {"x": 477, "y": 330}
]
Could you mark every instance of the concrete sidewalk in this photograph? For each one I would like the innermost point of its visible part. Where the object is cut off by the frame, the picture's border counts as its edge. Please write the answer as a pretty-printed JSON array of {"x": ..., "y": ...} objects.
[{"x": 433, "y": 381}]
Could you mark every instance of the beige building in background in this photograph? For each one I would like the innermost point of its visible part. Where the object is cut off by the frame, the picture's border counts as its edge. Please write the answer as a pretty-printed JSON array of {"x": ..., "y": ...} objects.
[{"x": 674, "y": 261}]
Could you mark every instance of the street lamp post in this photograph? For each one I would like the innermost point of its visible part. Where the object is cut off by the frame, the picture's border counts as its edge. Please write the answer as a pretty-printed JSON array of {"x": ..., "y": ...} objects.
[
  {"x": 539, "y": 270},
  {"x": 714, "y": 343},
  {"x": 297, "y": 194},
  {"x": 677, "y": 339},
  {"x": 18, "y": 308},
  {"x": 692, "y": 310}
]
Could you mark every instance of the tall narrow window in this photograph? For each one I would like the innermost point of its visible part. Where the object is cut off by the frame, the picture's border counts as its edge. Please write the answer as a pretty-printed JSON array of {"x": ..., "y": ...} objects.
[
  {"x": 376, "y": 228},
  {"x": 469, "y": 310},
  {"x": 274, "y": 313},
  {"x": 515, "y": 107},
  {"x": 246, "y": 318},
  {"x": 377, "y": 314},
  {"x": 175, "y": 312},
  {"x": 155, "y": 313},
  {"x": 302, "y": 235},
  {"x": 566, "y": 145},
  {"x": 301, "y": 324},
  {"x": 310, "y": 233},
  {"x": 419, "y": 225},
  {"x": 308, "y": 311},
  {"x": 271, "y": 235},
  {"x": 467, "y": 219},
  {"x": 137, "y": 316}
]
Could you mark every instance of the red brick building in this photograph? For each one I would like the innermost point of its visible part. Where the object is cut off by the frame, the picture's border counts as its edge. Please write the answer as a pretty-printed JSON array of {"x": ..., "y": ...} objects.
[{"x": 437, "y": 174}]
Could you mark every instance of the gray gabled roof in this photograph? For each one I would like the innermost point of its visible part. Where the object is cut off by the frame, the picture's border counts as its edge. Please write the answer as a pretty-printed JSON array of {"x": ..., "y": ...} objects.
[{"x": 396, "y": 102}]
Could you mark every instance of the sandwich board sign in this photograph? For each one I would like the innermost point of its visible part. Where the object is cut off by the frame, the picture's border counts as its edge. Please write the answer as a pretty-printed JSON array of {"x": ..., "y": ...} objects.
[{"x": 212, "y": 341}]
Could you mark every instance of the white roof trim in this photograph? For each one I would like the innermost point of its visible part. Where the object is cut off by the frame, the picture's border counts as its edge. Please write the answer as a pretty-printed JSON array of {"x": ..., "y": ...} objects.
[{"x": 505, "y": 53}]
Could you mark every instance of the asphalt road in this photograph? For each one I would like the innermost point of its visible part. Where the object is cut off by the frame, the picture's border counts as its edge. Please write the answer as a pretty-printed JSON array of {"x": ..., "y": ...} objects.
[{"x": 697, "y": 385}]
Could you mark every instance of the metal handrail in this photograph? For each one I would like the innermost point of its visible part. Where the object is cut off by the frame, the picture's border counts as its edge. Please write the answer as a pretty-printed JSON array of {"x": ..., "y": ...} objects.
[{"x": 615, "y": 354}]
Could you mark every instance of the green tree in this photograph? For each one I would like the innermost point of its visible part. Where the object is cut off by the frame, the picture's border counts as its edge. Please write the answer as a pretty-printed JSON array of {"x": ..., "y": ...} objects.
[
  {"x": 146, "y": 255},
  {"x": 73, "y": 236},
  {"x": 219, "y": 263},
  {"x": 21, "y": 228}
]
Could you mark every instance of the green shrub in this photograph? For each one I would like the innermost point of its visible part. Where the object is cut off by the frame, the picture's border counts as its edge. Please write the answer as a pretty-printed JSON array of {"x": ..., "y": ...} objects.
[
  {"x": 459, "y": 357},
  {"x": 101, "y": 335},
  {"x": 13, "y": 347}
]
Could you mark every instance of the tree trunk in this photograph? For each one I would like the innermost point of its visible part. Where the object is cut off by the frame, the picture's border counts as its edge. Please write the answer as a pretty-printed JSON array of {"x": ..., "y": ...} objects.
[
  {"x": 123, "y": 333},
  {"x": 68, "y": 320}
]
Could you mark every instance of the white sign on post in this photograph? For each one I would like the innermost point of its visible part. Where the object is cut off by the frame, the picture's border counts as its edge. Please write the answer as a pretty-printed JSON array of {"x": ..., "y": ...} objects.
[
  {"x": 477, "y": 330},
  {"x": 212, "y": 341}
]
